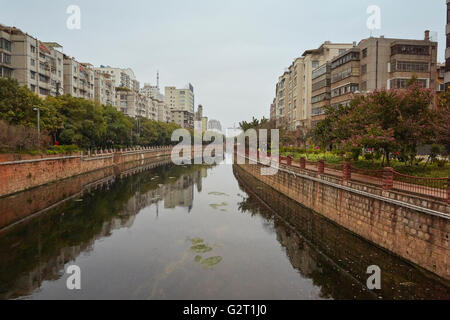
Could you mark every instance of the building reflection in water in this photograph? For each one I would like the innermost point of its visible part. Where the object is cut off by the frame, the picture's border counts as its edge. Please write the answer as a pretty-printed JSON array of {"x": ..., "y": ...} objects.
[
  {"x": 38, "y": 248},
  {"x": 335, "y": 259}
]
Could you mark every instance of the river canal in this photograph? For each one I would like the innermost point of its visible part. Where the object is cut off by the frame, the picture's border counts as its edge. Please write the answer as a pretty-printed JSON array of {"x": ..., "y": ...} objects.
[{"x": 190, "y": 232}]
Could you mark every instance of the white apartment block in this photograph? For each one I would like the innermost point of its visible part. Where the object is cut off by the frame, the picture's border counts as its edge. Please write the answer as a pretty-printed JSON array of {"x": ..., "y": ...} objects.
[
  {"x": 136, "y": 105},
  {"x": 33, "y": 63},
  {"x": 293, "y": 90},
  {"x": 164, "y": 114},
  {"x": 151, "y": 92},
  {"x": 124, "y": 78},
  {"x": 104, "y": 89},
  {"x": 180, "y": 99},
  {"x": 78, "y": 79}
]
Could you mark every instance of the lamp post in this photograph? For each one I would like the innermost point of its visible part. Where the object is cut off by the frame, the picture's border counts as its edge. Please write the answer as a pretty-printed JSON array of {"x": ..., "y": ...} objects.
[{"x": 38, "y": 125}]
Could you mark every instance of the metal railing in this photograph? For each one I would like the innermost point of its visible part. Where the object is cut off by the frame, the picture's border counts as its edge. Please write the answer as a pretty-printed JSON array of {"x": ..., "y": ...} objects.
[{"x": 387, "y": 178}]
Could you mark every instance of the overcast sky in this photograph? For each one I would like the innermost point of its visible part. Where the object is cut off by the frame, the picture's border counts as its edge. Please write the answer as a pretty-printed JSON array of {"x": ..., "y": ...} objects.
[{"x": 232, "y": 51}]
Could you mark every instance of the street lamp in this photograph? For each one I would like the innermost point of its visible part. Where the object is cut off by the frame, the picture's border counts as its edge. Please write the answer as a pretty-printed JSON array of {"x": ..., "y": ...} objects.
[{"x": 38, "y": 125}]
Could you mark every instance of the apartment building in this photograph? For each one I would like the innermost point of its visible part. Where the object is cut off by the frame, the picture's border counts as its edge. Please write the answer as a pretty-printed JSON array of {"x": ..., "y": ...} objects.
[
  {"x": 320, "y": 92},
  {"x": 35, "y": 64},
  {"x": 389, "y": 63},
  {"x": 164, "y": 114},
  {"x": 124, "y": 78},
  {"x": 104, "y": 89},
  {"x": 183, "y": 118},
  {"x": 6, "y": 68},
  {"x": 447, "y": 51},
  {"x": 345, "y": 77},
  {"x": 78, "y": 79},
  {"x": 273, "y": 111},
  {"x": 180, "y": 99},
  {"x": 135, "y": 105},
  {"x": 151, "y": 92},
  {"x": 294, "y": 88}
]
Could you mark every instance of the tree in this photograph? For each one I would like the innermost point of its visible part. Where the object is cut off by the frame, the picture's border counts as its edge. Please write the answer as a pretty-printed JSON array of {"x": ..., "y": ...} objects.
[{"x": 386, "y": 120}]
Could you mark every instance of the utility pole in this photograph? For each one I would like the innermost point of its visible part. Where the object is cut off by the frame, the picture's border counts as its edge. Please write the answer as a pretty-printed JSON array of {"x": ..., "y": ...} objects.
[{"x": 38, "y": 125}]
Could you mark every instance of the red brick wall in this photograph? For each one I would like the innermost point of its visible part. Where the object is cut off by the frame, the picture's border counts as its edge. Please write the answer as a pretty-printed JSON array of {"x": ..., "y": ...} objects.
[
  {"x": 19, "y": 175},
  {"x": 419, "y": 237}
]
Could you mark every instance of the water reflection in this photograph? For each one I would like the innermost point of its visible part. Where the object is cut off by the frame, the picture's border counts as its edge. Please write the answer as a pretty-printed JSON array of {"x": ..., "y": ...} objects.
[
  {"x": 157, "y": 231},
  {"x": 333, "y": 258},
  {"x": 38, "y": 248}
]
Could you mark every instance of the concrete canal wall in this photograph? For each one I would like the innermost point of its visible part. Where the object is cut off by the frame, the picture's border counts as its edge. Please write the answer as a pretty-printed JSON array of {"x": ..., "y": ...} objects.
[
  {"x": 22, "y": 174},
  {"x": 413, "y": 228}
]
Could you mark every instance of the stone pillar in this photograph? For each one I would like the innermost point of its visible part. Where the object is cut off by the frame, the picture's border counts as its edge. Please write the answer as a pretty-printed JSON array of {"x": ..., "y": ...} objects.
[
  {"x": 302, "y": 163},
  {"x": 388, "y": 178},
  {"x": 289, "y": 160},
  {"x": 321, "y": 167},
  {"x": 347, "y": 172}
]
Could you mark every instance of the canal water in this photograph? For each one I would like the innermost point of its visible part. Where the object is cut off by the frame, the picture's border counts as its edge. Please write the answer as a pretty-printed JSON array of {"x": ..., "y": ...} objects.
[{"x": 192, "y": 232}]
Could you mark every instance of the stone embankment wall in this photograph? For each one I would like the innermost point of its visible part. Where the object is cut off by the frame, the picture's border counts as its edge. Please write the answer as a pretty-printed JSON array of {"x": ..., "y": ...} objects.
[
  {"x": 414, "y": 228},
  {"x": 22, "y": 174}
]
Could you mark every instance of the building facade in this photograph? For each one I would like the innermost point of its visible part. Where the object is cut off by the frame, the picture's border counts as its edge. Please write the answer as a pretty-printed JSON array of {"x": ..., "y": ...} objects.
[
  {"x": 135, "y": 105},
  {"x": 180, "y": 99},
  {"x": 183, "y": 118},
  {"x": 293, "y": 92},
  {"x": 104, "y": 89},
  {"x": 390, "y": 63},
  {"x": 332, "y": 74},
  {"x": 34, "y": 64},
  {"x": 123, "y": 77},
  {"x": 320, "y": 92},
  {"x": 78, "y": 79},
  {"x": 345, "y": 75}
]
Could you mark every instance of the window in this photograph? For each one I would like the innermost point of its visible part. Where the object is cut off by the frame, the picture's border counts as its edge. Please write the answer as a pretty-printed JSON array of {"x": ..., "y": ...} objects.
[
  {"x": 341, "y": 75},
  {"x": 364, "y": 69},
  {"x": 364, "y": 53},
  {"x": 410, "y": 66},
  {"x": 33, "y": 87},
  {"x": 402, "y": 83},
  {"x": 6, "y": 58},
  {"x": 5, "y": 44},
  {"x": 32, "y": 48},
  {"x": 32, "y": 74},
  {"x": 364, "y": 86},
  {"x": 410, "y": 50},
  {"x": 32, "y": 62},
  {"x": 315, "y": 64}
]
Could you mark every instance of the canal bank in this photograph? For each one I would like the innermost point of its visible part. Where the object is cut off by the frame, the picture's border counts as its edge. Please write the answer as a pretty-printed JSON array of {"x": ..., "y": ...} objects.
[
  {"x": 19, "y": 173},
  {"x": 192, "y": 232},
  {"x": 416, "y": 229}
]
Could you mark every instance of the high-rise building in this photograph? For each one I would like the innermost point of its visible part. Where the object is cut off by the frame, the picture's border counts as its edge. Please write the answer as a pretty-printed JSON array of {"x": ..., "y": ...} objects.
[
  {"x": 294, "y": 88},
  {"x": 124, "y": 78},
  {"x": 135, "y": 105},
  {"x": 345, "y": 77},
  {"x": 180, "y": 99},
  {"x": 389, "y": 63},
  {"x": 320, "y": 92},
  {"x": 34, "y": 64},
  {"x": 151, "y": 92},
  {"x": 104, "y": 89},
  {"x": 447, "y": 51},
  {"x": 78, "y": 79},
  {"x": 181, "y": 104}
]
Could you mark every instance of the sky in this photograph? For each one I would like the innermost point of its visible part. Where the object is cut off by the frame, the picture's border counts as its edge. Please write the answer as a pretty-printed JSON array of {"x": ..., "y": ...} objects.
[{"x": 232, "y": 51}]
